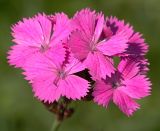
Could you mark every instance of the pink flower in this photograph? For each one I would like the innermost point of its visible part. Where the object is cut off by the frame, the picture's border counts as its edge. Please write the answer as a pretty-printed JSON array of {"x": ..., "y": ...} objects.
[
  {"x": 38, "y": 35},
  {"x": 51, "y": 79},
  {"x": 62, "y": 58},
  {"x": 88, "y": 43},
  {"x": 136, "y": 44},
  {"x": 123, "y": 87}
]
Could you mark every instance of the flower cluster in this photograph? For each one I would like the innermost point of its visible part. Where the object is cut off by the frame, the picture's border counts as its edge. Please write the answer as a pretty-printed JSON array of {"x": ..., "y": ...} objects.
[{"x": 58, "y": 54}]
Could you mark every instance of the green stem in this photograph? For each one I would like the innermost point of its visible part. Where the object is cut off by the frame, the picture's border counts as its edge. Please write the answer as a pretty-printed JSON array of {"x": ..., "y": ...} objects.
[{"x": 56, "y": 125}]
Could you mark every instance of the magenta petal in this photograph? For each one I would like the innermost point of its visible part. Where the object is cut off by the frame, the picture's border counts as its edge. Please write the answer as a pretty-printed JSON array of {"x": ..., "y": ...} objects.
[
  {"x": 84, "y": 21},
  {"x": 33, "y": 36},
  {"x": 117, "y": 26},
  {"x": 61, "y": 29},
  {"x": 18, "y": 55},
  {"x": 143, "y": 64},
  {"x": 99, "y": 66},
  {"x": 126, "y": 104},
  {"x": 128, "y": 67},
  {"x": 115, "y": 45},
  {"x": 137, "y": 87},
  {"x": 79, "y": 45},
  {"x": 137, "y": 45},
  {"x": 99, "y": 27},
  {"x": 74, "y": 65},
  {"x": 45, "y": 90},
  {"x": 103, "y": 93},
  {"x": 31, "y": 31},
  {"x": 80, "y": 39},
  {"x": 43, "y": 64},
  {"x": 40, "y": 66},
  {"x": 57, "y": 54},
  {"x": 71, "y": 89},
  {"x": 46, "y": 27}
]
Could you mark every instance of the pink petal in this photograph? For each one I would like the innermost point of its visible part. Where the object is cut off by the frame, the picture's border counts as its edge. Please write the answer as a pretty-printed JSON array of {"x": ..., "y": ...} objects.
[
  {"x": 18, "y": 55},
  {"x": 137, "y": 87},
  {"x": 57, "y": 54},
  {"x": 84, "y": 24},
  {"x": 137, "y": 45},
  {"x": 115, "y": 45},
  {"x": 40, "y": 66},
  {"x": 99, "y": 66},
  {"x": 107, "y": 32},
  {"x": 74, "y": 66},
  {"x": 74, "y": 87},
  {"x": 117, "y": 26},
  {"x": 128, "y": 67},
  {"x": 81, "y": 48},
  {"x": 126, "y": 104},
  {"x": 32, "y": 31},
  {"x": 45, "y": 89},
  {"x": 31, "y": 35},
  {"x": 46, "y": 27},
  {"x": 43, "y": 64},
  {"x": 62, "y": 28},
  {"x": 99, "y": 27},
  {"x": 143, "y": 64},
  {"x": 103, "y": 93},
  {"x": 84, "y": 21}
]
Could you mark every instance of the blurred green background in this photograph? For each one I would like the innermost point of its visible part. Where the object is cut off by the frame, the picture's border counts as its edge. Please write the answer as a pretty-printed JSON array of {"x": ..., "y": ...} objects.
[{"x": 20, "y": 111}]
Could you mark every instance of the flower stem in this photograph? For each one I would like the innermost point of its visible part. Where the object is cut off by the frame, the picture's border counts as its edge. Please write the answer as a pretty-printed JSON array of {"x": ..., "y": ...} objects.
[{"x": 56, "y": 125}]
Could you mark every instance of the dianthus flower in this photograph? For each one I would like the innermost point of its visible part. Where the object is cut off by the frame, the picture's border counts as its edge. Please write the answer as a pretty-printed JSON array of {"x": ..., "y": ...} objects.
[
  {"x": 124, "y": 86},
  {"x": 52, "y": 79},
  {"x": 39, "y": 34},
  {"x": 89, "y": 45}
]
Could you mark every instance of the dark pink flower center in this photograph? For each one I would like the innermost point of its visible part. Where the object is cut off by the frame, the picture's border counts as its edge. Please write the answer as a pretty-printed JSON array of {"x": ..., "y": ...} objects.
[
  {"x": 44, "y": 47},
  {"x": 62, "y": 74},
  {"x": 93, "y": 47},
  {"x": 116, "y": 80},
  {"x": 115, "y": 84}
]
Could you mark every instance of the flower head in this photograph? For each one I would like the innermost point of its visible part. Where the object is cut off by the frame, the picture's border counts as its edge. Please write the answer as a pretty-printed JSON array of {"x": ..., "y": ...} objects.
[
  {"x": 37, "y": 35},
  {"x": 62, "y": 57},
  {"x": 88, "y": 43},
  {"x": 123, "y": 87},
  {"x": 51, "y": 79}
]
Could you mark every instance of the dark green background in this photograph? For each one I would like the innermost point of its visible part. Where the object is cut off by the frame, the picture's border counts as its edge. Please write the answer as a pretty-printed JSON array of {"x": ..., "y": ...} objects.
[{"x": 20, "y": 111}]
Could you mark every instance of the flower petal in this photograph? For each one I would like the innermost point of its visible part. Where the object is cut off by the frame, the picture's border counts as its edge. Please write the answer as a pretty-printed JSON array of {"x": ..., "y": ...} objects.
[
  {"x": 128, "y": 67},
  {"x": 46, "y": 27},
  {"x": 39, "y": 66},
  {"x": 137, "y": 87},
  {"x": 79, "y": 45},
  {"x": 102, "y": 93},
  {"x": 126, "y": 104},
  {"x": 61, "y": 29},
  {"x": 45, "y": 64},
  {"x": 117, "y": 26},
  {"x": 99, "y": 66},
  {"x": 45, "y": 89},
  {"x": 136, "y": 45},
  {"x": 115, "y": 45},
  {"x": 71, "y": 89},
  {"x": 84, "y": 21},
  {"x": 99, "y": 27},
  {"x": 32, "y": 31},
  {"x": 74, "y": 65},
  {"x": 80, "y": 39},
  {"x": 18, "y": 55}
]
